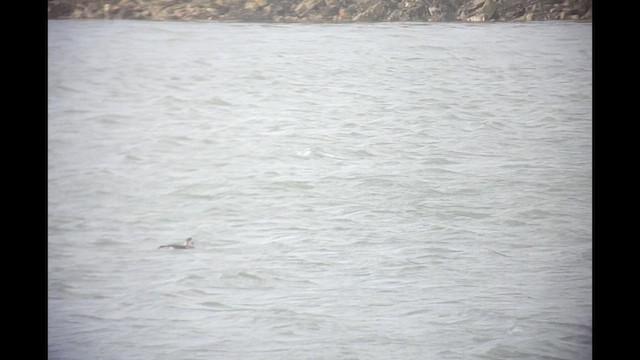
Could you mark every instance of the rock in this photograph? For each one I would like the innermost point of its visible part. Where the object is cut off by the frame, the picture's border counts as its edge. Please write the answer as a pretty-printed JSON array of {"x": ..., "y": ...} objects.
[
  {"x": 351, "y": 11},
  {"x": 395, "y": 15},
  {"x": 323, "y": 10},
  {"x": 306, "y": 6},
  {"x": 251, "y": 6},
  {"x": 489, "y": 9},
  {"x": 568, "y": 12},
  {"x": 434, "y": 13},
  {"x": 476, "y": 18},
  {"x": 331, "y": 11},
  {"x": 472, "y": 10},
  {"x": 373, "y": 13},
  {"x": 332, "y": 3},
  {"x": 58, "y": 10}
]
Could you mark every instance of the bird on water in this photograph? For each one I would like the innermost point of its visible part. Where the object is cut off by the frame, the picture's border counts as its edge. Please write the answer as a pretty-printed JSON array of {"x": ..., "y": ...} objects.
[{"x": 188, "y": 244}]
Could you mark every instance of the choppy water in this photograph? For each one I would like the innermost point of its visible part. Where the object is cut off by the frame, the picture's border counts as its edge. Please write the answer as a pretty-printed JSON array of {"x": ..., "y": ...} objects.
[{"x": 362, "y": 191}]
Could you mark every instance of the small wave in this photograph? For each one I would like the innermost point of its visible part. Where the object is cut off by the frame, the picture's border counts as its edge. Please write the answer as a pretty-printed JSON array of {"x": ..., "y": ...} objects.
[
  {"x": 418, "y": 312},
  {"x": 217, "y": 101},
  {"x": 213, "y": 304},
  {"x": 196, "y": 196},
  {"x": 108, "y": 119},
  {"x": 192, "y": 277},
  {"x": 498, "y": 253},
  {"x": 250, "y": 276},
  {"x": 534, "y": 214},
  {"x": 69, "y": 88},
  {"x": 439, "y": 161},
  {"x": 294, "y": 184},
  {"x": 360, "y": 154},
  {"x": 106, "y": 242}
]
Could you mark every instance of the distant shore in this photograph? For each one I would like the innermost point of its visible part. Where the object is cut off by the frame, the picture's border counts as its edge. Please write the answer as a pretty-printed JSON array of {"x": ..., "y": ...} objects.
[{"x": 323, "y": 11}]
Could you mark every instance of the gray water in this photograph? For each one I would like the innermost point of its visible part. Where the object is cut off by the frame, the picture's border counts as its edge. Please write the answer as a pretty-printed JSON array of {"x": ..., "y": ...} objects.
[{"x": 355, "y": 191}]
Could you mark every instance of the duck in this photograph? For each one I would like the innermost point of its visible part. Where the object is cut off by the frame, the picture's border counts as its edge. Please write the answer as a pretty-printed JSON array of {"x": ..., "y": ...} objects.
[{"x": 188, "y": 244}]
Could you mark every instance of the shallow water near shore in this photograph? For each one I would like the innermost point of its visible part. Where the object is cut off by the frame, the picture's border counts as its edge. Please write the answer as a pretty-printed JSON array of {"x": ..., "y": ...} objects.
[{"x": 355, "y": 191}]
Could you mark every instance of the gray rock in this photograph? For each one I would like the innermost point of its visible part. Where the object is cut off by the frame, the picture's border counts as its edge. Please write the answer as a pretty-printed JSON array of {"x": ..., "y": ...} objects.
[
  {"x": 323, "y": 10},
  {"x": 306, "y": 6},
  {"x": 373, "y": 13},
  {"x": 489, "y": 9}
]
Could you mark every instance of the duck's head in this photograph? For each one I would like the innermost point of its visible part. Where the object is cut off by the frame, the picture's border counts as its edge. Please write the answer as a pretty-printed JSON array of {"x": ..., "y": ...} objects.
[{"x": 188, "y": 242}]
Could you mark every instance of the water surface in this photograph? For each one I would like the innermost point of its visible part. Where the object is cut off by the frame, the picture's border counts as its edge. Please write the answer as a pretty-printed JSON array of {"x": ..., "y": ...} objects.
[{"x": 355, "y": 191}]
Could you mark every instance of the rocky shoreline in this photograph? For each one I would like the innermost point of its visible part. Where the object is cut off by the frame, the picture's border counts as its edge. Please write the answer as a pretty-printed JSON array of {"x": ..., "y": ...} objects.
[{"x": 335, "y": 11}]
